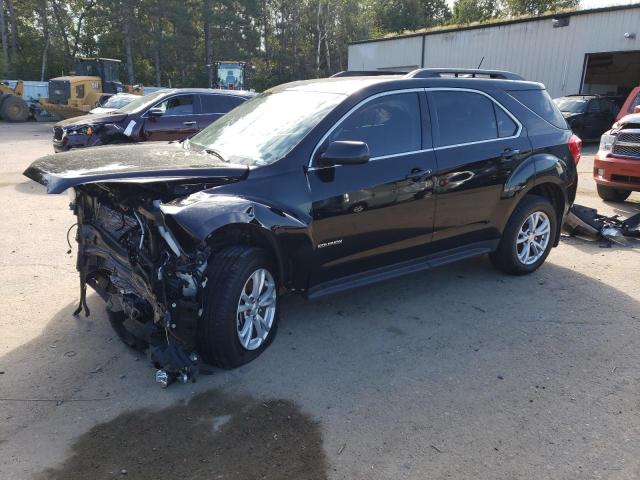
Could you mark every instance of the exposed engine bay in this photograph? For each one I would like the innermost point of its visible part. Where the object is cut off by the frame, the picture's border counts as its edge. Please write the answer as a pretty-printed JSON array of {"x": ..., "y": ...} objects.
[{"x": 151, "y": 280}]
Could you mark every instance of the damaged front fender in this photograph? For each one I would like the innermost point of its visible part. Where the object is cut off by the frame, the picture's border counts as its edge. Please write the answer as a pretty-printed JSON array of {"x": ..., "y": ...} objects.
[{"x": 203, "y": 215}]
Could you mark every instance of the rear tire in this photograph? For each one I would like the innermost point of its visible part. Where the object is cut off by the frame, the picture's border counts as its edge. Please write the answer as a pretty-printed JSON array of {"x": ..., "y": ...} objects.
[
  {"x": 14, "y": 109},
  {"x": 611, "y": 194},
  {"x": 533, "y": 225},
  {"x": 234, "y": 328}
]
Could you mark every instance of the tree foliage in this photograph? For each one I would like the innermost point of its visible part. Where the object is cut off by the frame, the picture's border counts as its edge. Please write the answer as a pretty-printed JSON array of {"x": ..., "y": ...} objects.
[{"x": 176, "y": 42}]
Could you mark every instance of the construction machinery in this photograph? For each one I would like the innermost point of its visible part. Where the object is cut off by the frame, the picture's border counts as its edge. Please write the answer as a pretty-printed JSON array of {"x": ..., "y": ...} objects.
[
  {"x": 91, "y": 83},
  {"x": 231, "y": 75},
  {"x": 12, "y": 107}
]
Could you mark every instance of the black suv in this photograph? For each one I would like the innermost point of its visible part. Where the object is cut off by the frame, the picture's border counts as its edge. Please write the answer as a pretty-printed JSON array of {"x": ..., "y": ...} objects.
[
  {"x": 316, "y": 187},
  {"x": 589, "y": 116}
]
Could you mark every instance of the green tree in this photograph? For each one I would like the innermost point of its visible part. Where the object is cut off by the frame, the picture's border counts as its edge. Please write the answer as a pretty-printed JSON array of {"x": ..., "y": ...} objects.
[
  {"x": 538, "y": 7},
  {"x": 399, "y": 15},
  {"x": 469, "y": 11}
]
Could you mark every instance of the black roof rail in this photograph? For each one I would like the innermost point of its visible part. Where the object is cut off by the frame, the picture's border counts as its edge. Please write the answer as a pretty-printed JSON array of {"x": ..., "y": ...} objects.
[
  {"x": 462, "y": 72},
  {"x": 366, "y": 73}
]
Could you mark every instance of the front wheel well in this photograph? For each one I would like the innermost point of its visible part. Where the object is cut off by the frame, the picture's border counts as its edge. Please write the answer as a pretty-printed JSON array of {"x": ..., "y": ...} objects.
[
  {"x": 251, "y": 235},
  {"x": 553, "y": 193}
]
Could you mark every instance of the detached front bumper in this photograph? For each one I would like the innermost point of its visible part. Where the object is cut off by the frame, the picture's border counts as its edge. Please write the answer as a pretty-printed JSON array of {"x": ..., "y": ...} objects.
[{"x": 617, "y": 172}]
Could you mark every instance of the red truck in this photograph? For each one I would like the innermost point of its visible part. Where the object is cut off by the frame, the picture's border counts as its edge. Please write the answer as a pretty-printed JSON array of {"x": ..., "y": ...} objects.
[{"x": 616, "y": 168}]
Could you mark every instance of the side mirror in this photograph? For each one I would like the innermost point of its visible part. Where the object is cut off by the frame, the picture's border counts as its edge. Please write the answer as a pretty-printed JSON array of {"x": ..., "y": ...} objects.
[
  {"x": 636, "y": 109},
  {"x": 155, "y": 112},
  {"x": 345, "y": 152}
]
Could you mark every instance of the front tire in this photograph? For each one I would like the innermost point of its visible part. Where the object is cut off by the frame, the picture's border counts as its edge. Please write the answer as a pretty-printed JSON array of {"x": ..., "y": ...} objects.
[
  {"x": 240, "y": 307},
  {"x": 528, "y": 237},
  {"x": 611, "y": 194}
]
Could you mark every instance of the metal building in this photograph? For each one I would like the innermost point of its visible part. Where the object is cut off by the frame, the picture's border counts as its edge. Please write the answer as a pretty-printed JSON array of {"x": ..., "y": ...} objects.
[{"x": 586, "y": 51}]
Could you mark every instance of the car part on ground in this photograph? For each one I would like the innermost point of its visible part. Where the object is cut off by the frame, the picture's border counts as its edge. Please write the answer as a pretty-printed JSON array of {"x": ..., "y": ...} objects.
[
  {"x": 312, "y": 187},
  {"x": 616, "y": 166},
  {"x": 587, "y": 221},
  {"x": 12, "y": 107}
]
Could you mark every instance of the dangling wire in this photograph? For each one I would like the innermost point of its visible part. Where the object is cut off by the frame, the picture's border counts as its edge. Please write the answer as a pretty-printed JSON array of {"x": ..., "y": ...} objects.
[{"x": 68, "y": 241}]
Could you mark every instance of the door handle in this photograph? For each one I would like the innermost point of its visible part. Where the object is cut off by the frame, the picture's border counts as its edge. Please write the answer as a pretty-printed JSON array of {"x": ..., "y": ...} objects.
[
  {"x": 509, "y": 153},
  {"x": 418, "y": 174},
  {"x": 189, "y": 124}
]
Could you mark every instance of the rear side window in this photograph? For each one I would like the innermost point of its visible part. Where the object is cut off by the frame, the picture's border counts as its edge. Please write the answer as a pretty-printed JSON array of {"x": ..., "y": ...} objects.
[
  {"x": 388, "y": 125},
  {"x": 539, "y": 102},
  {"x": 465, "y": 117},
  {"x": 219, "y": 103}
]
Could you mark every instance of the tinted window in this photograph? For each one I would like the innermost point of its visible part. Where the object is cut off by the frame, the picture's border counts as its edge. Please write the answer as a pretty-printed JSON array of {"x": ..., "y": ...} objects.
[
  {"x": 506, "y": 126},
  {"x": 388, "y": 125},
  {"x": 464, "y": 117},
  {"x": 539, "y": 102},
  {"x": 219, "y": 103},
  {"x": 571, "y": 104},
  {"x": 181, "y": 105},
  {"x": 594, "y": 106}
]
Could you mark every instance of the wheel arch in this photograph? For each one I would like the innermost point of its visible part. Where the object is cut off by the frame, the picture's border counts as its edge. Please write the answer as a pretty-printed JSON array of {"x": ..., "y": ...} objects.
[
  {"x": 558, "y": 198},
  {"x": 224, "y": 220},
  {"x": 251, "y": 235}
]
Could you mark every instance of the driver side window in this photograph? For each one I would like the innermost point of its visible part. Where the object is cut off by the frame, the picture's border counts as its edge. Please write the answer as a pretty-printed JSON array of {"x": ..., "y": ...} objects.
[
  {"x": 181, "y": 105},
  {"x": 388, "y": 125}
]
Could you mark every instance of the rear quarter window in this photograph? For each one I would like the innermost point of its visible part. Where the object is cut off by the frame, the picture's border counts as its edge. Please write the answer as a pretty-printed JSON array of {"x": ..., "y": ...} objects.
[
  {"x": 540, "y": 103},
  {"x": 219, "y": 103}
]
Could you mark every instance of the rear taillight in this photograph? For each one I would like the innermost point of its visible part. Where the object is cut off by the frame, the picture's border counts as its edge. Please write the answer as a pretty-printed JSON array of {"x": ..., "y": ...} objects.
[{"x": 575, "y": 147}]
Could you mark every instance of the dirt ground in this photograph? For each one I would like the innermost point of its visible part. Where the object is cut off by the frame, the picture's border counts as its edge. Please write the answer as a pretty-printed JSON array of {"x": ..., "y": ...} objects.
[{"x": 460, "y": 372}]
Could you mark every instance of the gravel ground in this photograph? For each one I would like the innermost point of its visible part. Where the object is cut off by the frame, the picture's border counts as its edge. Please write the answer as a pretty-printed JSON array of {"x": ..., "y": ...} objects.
[{"x": 459, "y": 372}]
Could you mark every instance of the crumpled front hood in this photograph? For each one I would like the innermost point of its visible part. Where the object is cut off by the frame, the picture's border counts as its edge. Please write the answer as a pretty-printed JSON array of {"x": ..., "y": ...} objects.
[
  {"x": 568, "y": 115},
  {"x": 92, "y": 120},
  {"x": 141, "y": 163}
]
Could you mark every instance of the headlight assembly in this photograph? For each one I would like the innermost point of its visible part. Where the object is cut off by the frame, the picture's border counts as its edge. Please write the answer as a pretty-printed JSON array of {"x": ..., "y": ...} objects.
[
  {"x": 606, "y": 142},
  {"x": 84, "y": 130}
]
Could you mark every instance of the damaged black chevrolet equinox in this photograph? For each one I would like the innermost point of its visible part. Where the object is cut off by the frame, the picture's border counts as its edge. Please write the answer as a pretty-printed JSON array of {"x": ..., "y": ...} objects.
[{"x": 315, "y": 186}]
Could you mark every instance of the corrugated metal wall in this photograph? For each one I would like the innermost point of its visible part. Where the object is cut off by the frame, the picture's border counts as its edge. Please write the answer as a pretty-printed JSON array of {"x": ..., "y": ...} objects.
[{"x": 553, "y": 56}]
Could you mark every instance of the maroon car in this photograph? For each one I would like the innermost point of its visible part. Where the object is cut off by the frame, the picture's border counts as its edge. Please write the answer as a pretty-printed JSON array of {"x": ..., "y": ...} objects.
[{"x": 171, "y": 114}]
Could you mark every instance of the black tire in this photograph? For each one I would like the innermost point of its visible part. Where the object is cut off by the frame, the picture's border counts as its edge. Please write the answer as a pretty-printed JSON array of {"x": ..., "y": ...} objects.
[
  {"x": 229, "y": 270},
  {"x": 611, "y": 194},
  {"x": 14, "y": 109},
  {"x": 505, "y": 258}
]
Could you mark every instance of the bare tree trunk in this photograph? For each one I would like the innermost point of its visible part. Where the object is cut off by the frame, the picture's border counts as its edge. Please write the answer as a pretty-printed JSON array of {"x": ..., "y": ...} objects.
[
  {"x": 319, "y": 33},
  {"x": 63, "y": 31},
  {"x": 3, "y": 38},
  {"x": 326, "y": 40},
  {"x": 14, "y": 28},
  {"x": 45, "y": 32},
  {"x": 208, "y": 40},
  {"x": 157, "y": 42},
  {"x": 125, "y": 15}
]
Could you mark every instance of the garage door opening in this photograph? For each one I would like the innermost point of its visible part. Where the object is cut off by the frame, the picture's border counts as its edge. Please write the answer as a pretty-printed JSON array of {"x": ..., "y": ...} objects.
[{"x": 614, "y": 73}]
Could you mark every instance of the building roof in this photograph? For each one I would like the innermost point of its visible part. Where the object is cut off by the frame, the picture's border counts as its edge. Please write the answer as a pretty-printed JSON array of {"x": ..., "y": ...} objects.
[{"x": 497, "y": 23}]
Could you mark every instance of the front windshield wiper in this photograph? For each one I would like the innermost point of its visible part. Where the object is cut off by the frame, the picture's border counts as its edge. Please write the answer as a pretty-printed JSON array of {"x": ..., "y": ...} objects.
[{"x": 215, "y": 153}]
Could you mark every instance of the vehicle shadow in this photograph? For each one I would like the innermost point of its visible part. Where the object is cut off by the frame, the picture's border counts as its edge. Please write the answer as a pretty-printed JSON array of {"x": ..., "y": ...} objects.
[{"x": 397, "y": 357}]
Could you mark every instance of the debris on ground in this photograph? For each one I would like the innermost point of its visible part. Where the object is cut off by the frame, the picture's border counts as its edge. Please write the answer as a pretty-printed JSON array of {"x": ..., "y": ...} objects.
[{"x": 588, "y": 222}]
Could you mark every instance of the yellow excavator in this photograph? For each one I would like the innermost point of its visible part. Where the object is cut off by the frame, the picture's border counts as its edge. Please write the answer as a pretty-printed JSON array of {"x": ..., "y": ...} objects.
[
  {"x": 12, "y": 107},
  {"x": 91, "y": 83}
]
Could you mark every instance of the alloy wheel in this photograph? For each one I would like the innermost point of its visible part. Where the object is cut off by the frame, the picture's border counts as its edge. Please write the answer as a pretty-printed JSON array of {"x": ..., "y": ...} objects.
[
  {"x": 533, "y": 238},
  {"x": 256, "y": 309}
]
